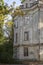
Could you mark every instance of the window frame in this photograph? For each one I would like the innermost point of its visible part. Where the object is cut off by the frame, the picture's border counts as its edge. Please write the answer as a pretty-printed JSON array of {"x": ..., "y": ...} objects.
[
  {"x": 26, "y": 35},
  {"x": 27, "y": 20}
]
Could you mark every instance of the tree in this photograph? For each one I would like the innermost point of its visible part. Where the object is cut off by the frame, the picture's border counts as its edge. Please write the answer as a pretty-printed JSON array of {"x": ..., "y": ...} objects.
[
  {"x": 1, "y": 20},
  {"x": 5, "y": 52},
  {"x": 22, "y": 1},
  {"x": 4, "y": 11},
  {"x": 6, "y": 43}
]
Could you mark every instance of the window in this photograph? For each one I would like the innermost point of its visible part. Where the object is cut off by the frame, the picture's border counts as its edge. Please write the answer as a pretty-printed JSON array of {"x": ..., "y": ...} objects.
[
  {"x": 16, "y": 37},
  {"x": 26, "y": 36},
  {"x": 16, "y": 24},
  {"x": 39, "y": 31},
  {"x": 25, "y": 51},
  {"x": 26, "y": 5},
  {"x": 27, "y": 20},
  {"x": 22, "y": 6},
  {"x": 15, "y": 52}
]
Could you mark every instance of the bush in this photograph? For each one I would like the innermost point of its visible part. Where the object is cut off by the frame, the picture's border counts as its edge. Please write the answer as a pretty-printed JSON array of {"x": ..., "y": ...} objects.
[{"x": 10, "y": 61}]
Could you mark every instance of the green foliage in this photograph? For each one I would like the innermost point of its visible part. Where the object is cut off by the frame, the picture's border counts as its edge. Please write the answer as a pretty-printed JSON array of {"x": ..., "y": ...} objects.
[
  {"x": 6, "y": 44},
  {"x": 2, "y": 2},
  {"x": 22, "y": 1},
  {"x": 6, "y": 52}
]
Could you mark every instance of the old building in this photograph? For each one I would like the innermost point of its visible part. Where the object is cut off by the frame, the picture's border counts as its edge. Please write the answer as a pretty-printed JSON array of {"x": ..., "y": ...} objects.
[{"x": 28, "y": 32}]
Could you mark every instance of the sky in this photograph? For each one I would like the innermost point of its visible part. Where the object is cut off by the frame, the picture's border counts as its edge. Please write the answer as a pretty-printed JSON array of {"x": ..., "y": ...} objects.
[{"x": 9, "y": 2}]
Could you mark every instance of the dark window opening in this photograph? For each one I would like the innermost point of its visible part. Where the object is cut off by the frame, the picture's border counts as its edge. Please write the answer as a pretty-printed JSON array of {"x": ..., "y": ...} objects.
[
  {"x": 25, "y": 51},
  {"x": 22, "y": 6},
  {"x": 26, "y": 5},
  {"x": 16, "y": 37}
]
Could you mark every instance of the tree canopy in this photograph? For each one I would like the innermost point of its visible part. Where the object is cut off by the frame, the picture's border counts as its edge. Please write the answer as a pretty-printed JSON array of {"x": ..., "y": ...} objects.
[{"x": 6, "y": 43}]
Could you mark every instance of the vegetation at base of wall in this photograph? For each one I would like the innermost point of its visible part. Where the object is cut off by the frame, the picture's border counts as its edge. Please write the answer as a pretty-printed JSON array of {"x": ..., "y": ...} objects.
[
  {"x": 6, "y": 54},
  {"x": 10, "y": 61}
]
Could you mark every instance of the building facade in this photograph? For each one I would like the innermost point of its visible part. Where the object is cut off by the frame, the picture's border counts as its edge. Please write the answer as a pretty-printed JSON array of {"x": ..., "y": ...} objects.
[{"x": 28, "y": 32}]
